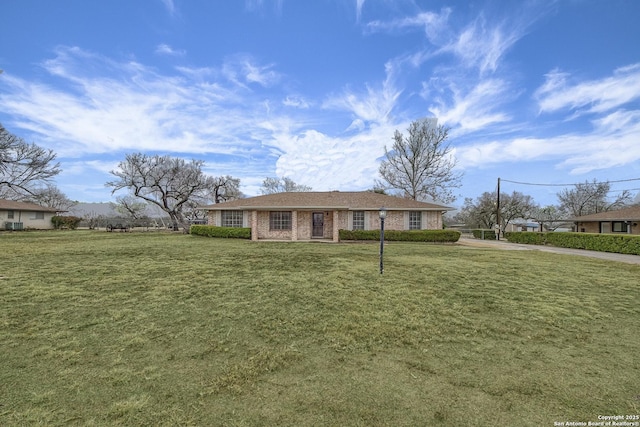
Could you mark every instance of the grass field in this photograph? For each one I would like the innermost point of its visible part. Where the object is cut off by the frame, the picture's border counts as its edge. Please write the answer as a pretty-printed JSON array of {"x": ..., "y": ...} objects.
[{"x": 168, "y": 329}]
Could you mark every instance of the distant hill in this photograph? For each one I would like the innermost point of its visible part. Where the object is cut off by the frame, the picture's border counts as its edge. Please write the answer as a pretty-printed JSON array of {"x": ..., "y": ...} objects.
[{"x": 104, "y": 209}]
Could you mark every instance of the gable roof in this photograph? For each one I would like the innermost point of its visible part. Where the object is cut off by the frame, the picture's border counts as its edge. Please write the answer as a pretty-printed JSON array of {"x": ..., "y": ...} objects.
[
  {"x": 632, "y": 213},
  {"x": 10, "y": 205},
  {"x": 343, "y": 200}
]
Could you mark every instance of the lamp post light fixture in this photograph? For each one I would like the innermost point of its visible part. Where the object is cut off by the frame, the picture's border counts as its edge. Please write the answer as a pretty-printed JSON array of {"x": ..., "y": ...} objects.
[{"x": 383, "y": 214}]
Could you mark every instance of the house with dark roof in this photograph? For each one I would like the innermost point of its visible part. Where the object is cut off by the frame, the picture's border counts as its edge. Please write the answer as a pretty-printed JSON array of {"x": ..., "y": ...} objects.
[
  {"x": 319, "y": 215},
  {"x": 621, "y": 221},
  {"x": 22, "y": 216}
]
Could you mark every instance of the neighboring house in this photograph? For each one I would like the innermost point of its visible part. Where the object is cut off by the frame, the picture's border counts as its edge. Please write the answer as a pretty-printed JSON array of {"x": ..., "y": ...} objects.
[
  {"x": 522, "y": 225},
  {"x": 21, "y": 216},
  {"x": 319, "y": 215},
  {"x": 621, "y": 221}
]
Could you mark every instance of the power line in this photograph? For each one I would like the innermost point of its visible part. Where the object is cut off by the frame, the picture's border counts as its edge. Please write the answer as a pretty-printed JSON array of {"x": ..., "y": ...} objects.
[
  {"x": 626, "y": 189},
  {"x": 565, "y": 185}
]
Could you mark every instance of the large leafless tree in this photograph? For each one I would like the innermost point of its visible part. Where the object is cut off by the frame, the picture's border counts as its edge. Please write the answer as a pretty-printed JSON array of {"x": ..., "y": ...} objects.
[
  {"x": 164, "y": 181},
  {"x": 516, "y": 206},
  {"x": 50, "y": 196},
  {"x": 478, "y": 213},
  {"x": 24, "y": 167},
  {"x": 284, "y": 185},
  {"x": 218, "y": 189},
  {"x": 421, "y": 165},
  {"x": 591, "y": 197},
  {"x": 482, "y": 212},
  {"x": 223, "y": 189}
]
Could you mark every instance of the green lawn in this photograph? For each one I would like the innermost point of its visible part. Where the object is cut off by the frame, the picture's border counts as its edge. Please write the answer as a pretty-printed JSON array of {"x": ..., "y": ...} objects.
[{"x": 128, "y": 329}]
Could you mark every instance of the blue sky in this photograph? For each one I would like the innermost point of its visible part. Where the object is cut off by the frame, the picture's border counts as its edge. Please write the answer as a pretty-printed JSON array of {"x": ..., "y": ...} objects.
[{"x": 533, "y": 91}]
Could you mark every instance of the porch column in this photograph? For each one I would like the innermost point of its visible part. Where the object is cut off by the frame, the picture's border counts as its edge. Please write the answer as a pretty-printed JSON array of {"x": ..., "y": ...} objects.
[
  {"x": 254, "y": 225},
  {"x": 336, "y": 227},
  {"x": 294, "y": 225}
]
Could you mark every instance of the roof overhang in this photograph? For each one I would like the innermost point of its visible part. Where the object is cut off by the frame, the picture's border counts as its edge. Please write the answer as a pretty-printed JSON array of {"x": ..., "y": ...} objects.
[{"x": 315, "y": 208}]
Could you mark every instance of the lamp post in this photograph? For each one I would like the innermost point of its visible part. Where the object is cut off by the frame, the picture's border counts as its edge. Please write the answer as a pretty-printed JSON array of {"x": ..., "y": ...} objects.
[{"x": 383, "y": 214}]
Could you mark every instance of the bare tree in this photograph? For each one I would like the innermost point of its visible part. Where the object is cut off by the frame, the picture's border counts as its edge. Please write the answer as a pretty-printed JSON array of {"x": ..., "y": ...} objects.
[
  {"x": 223, "y": 189},
  {"x": 550, "y": 217},
  {"x": 515, "y": 206},
  {"x": 277, "y": 185},
  {"x": 590, "y": 198},
  {"x": 23, "y": 166},
  {"x": 50, "y": 196},
  {"x": 130, "y": 206},
  {"x": 422, "y": 164},
  {"x": 94, "y": 220},
  {"x": 482, "y": 213},
  {"x": 478, "y": 213},
  {"x": 218, "y": 189},
  {"x": 163, "y": 181}
]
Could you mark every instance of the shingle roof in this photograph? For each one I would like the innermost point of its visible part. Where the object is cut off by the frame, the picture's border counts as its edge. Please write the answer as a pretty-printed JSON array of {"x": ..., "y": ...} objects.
[
  {"x": 10, "y": 205},
  {"x": 631, "y": 213},
  {"x": 352, "y": 200}
]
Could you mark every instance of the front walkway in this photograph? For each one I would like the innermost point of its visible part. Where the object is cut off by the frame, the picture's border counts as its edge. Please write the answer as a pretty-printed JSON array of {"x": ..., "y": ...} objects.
[{"x": 505, "y": 245}]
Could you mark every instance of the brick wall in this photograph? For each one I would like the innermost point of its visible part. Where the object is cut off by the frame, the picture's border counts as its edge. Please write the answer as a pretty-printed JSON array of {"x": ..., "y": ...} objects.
[
  {"x": 265, "y": 233},
  {"x": 594, "y": 227},
  {"x": 432, "y": 220},
  {"x": 302, "y": 223}
]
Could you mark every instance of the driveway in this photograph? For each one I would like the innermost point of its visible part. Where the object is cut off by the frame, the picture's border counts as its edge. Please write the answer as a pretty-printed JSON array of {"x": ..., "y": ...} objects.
[{"x": 505, "y": 245}]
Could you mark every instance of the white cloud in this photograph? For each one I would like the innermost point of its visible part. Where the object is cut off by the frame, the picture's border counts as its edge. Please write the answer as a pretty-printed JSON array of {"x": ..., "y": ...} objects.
[
  {"x": 134, "y": 109},
  {"x": 295, "y": 101},
  {"x": 359, "y": 6},
  {"x": 356, "y": 125},
  {"x": 243, "y": 70},
  {"x": 165, "y": 49},
  {"x": 170, "y": 6},
  {"x": 481, "y": 45},
  {"x": 373, "y": 106},
  {"x": 435, "y": 25},
  {"x": 466, "y": 89},
  {"x": 475, "y": 108},
  {"x": 594, "y": 96},
  {"x": 225, "y": 110},
  {"x": 613, "y": 143},
  {"x": 328, "y": 163}
]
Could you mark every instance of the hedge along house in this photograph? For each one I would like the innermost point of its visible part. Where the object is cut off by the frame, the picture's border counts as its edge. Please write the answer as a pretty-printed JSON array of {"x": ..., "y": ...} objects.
[
  {"x": 319, "y": 215},
  {"x": 621, "y": 221},
  {"x": 22, "y": 216}
]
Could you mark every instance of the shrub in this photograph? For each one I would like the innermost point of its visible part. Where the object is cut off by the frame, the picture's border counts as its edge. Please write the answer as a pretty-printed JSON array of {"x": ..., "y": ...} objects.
[
  {"x": 484, "y": 234},
  {"x": 617, "y": 243},
  {"x": 70, "y": 222},
  {"x": 433, "y": 236},
  {"x": 527, "y": 237},
  {"x": 225, "y": 232}
]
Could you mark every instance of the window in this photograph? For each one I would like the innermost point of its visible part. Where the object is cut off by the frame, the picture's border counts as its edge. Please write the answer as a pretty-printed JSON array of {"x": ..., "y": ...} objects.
[
  {"x": 232, "y": 218},
  {"x": 280, "y": 220},
  {"x": 39, "y": 215},
  {"x": 358, "y": 220},
  {"x": 10, "y": 215},
  {"x": 619, "y": 226},
  {"x": 415, "y": 220}
]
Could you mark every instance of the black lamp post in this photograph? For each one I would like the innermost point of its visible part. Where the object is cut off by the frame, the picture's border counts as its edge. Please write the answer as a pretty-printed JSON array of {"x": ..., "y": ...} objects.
[{"x": 383, "y": 214}]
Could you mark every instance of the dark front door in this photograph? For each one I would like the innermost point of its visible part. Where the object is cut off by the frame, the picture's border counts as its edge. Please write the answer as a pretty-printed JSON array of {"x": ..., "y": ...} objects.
[{"x": 318, "y": 225}]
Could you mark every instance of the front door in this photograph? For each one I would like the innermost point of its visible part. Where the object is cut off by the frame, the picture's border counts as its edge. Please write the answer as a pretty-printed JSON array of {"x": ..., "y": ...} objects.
[{"x": 318, "y": 224}]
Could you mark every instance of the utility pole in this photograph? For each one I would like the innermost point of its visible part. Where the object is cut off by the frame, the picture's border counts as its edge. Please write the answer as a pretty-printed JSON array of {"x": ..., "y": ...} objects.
[{"x": 498, "y": 211}]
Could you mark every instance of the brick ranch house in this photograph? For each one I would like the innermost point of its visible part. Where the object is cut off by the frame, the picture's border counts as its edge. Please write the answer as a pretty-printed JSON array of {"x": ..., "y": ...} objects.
[
  {"x": 319, "y": 215},
  {"x": 21, "y": 216},
  {"x": 621, "y": 221}
]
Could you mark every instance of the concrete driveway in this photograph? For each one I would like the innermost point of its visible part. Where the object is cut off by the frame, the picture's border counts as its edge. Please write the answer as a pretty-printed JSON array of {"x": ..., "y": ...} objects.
[{"x": 505, "y": 245}]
